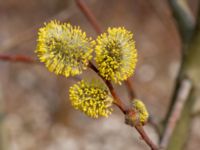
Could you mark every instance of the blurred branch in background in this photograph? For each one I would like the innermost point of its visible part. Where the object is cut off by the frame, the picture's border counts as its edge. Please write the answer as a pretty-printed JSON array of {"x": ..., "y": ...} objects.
[
  {"x": 183, "y": 95},
  {"x": 184, "y": 18},
  {"x": 190, "y": 69},
  {"x": 3, "y": 142}
]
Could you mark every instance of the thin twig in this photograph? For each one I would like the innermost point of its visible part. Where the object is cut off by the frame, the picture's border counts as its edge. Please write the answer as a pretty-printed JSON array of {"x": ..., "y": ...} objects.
[
  {"x": 195, "y": 114},
  {"x": 118, "y": 102},
  {"x": 183, "y": 93},
  {"x": 130, "y": 88},
  {"x": 155, "y": 125},
  {"x": 17, "y": 58},
  {"x": 89, "y": 15},
  {"x": 145, "y": 137},
  {"x": 184, "y": 17}
]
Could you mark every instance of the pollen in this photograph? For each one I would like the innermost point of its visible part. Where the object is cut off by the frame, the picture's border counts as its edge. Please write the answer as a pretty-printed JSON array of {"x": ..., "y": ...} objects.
[
  {"x": 116, "y": 55},
  {"x": 140, "y": 108},
  {"x": 63, "y": 48},
  {"x": 91, "y": 98}
]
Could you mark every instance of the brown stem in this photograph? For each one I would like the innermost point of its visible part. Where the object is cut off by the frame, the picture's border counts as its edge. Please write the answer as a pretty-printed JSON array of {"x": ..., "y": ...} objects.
[
  {"x": 89, "y": 15},
  {"x": 118, "y": 102},
  {"x": 145, "y": 137},
  {"x": 183, "y": 94},
  {"x": 130, "y": 88},
  {"x": 17, "y": 58}
]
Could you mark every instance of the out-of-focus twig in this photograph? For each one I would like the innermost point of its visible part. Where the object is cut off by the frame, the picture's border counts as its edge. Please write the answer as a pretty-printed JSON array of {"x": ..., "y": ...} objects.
[
  {"x": 195, "y": 114},
  {"x": 183, "y": 95},
  {"x": 89, "y": 15},
  {"x": 130, "y": 88},
  {"x": 3, "y": 133},
  {"x": 184, "y": 18},
  {"x": 156, "y": 125},
  {"x": 189, "y": 68},
  {"x": 17, "y": 58}
]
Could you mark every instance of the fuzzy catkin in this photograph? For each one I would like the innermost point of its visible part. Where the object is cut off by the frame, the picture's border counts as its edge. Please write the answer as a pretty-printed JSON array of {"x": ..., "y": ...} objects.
[{"x": 65, "y": 49}]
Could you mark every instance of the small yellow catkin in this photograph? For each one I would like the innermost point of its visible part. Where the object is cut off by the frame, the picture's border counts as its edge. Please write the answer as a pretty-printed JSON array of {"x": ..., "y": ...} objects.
[
  {"x": 141, "y": 110},
  {"x": 65, "y": 49},
  {"x": 116, "y": 55},
  {"x": 91, "y": 98}
]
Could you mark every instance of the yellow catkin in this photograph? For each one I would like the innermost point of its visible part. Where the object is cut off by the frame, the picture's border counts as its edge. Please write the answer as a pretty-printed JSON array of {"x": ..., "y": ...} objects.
[
  {"x": 116, "y": 55},
  {"x": 141, "y": 110},
  {"x": 91, "y": 98},
  {"x": 64, "y": 48}
]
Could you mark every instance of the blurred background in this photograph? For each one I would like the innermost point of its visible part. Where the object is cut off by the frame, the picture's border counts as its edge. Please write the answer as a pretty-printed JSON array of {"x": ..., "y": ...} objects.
[{"x": 35, "y": 112}]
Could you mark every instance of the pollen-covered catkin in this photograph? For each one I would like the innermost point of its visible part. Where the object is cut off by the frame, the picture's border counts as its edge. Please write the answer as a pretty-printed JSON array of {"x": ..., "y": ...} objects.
[
  {"x": 141, "y": 110},
  {"x": 93, "y": 99},
  {"x": 65, "y": 49},
  {"x": 116, "y": 55}
]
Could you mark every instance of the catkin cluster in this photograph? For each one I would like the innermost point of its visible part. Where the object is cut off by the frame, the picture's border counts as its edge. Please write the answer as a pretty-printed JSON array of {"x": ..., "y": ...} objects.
[
  {"x": 66, "y": 50},
  {"x": 63, "y": 48}
]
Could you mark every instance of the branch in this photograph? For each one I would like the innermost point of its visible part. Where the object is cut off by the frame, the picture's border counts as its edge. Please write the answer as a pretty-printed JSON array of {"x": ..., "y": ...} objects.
[
  {"x": 184, "y": 18},
  {"x": 183, "y": 94},
  {"x": 89, "y": 15},
  {"x": 17, "y": 58},
  {"x": 145, "y": 137},
  {"x": 118, "y": 102}
]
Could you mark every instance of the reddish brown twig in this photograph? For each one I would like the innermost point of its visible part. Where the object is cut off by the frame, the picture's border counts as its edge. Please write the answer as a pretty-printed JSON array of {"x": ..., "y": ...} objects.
[
  {"x": 145, "y": 137},
  {"x": 118, "y": 102},
  {"x": 17, "y": 58},
  {"x": 89, "y": 15},
  {"x": 130, "y": 88},
  {"x": 185, "y": 89}
]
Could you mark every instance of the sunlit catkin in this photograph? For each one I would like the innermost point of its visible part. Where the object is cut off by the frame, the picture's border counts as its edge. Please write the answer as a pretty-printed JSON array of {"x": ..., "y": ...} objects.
[
  {"x": 64, "y": 48},
  {"x": 92, "y": 98},
  {"x": 116, "y": 55}
]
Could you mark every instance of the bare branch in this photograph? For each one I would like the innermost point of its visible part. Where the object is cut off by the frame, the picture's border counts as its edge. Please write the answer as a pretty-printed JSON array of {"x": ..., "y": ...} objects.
[
  {"x": 184, "y": 18},
  {"x": 183, "y": 95},
  {"x": 17, "y": 58},
  {"x": 89, "y": 15}
]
